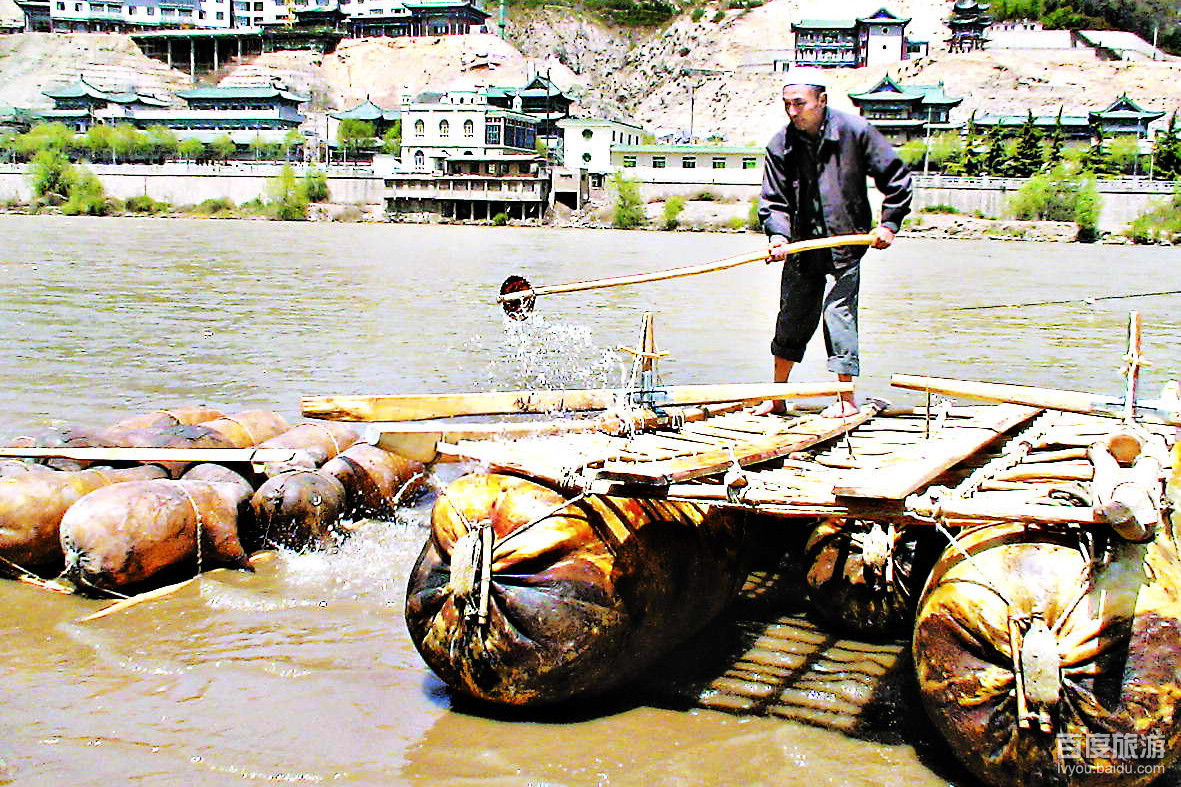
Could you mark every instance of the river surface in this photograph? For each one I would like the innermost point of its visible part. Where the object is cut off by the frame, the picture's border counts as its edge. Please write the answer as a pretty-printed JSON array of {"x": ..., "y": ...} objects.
[{"x": 303, "y": 672}]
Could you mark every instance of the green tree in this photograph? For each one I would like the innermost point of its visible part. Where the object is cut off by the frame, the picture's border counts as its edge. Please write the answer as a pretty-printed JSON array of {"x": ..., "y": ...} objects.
[
  {"x": 162, "y": 142},
  {"x": 45, "y": 136},
  {"x": 51, "y": 174},
  {"x": 629, "y": 207},
  {"x": 130, "y": 143},
  {"x": 99, "y": 141},
  {"x": 224, "y": 147},
  {"x": 1057, "y": 139},
  {"x": 1087, "y": 205},
  {"x": 293, "y": 143},
  {"x": 353, "y": 135},
  {"x": 288, "y": 196},
  {"x": 995, "y": 158},
  {"x": 1027, "y": 158},
  {"x": 190, "y": 148},
  {"x": 1166, "y": 152},
  {"x": 975, "y": 150},
  {"x": 1123, "y": 152},
  {"x": 1096, "y": 160},
  {"x": 673, "y": 206},
  {"x": 391, "y": 141}
]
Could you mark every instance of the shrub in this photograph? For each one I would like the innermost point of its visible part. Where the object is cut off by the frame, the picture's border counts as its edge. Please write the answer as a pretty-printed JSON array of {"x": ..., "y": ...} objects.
[
  {"x": 51, "y": 174},
  {"x": 87, "y": 197},
  {"x": 706, "y": 196},
  {"x": 719, "y": 16},
  {"x": 697, "y": 14},
  {"x": 216, "y": 206},
  {"x": 288, "y": 196},
  {"x": 500, "y": 219},
  {"x": 629, "y": 208},
  {"x": 145, "y": 204},
  {"x": 1060, "y": 197},
  {"x": 315, "y": 186},
  {"x": 737, "y": 223},
  {"x": 940, "y": 209},
  {"x": 672, "y": 211},
  {"x": 752, "y": 217}
]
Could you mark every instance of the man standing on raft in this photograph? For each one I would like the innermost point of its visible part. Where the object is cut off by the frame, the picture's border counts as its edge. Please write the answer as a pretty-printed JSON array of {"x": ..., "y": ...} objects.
[{"x": 814, "y": 186}]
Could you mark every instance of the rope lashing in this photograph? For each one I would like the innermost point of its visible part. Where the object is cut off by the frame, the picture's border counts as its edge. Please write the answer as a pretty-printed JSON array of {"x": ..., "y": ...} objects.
[
  {"x": 200, "y": 525},
  {"x": 471, "y": 571}
]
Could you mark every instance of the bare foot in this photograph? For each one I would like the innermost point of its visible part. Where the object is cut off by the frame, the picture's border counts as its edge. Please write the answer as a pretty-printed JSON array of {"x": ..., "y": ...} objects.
[
  {"x": 770, "y": 407},
  {"x": 842, "y": 408}
]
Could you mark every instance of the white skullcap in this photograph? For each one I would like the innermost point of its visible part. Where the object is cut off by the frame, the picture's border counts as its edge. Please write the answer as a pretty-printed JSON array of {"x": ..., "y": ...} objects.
[{"x": 807, "y": 76}]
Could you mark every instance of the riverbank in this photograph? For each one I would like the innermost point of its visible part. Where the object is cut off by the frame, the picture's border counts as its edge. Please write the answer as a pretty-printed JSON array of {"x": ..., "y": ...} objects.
[{"x": 697, "y": 217}]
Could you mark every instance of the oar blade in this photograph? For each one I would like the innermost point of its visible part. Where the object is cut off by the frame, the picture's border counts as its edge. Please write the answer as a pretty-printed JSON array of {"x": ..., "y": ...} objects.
[{"x": 517, "y": 308}]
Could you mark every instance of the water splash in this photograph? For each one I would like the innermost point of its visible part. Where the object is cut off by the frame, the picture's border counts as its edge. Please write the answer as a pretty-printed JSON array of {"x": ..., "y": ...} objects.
[{"x": 546, "y": 353}]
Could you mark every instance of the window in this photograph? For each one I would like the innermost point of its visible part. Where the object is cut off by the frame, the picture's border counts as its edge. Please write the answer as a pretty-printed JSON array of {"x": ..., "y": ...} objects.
[
  {"x": 218, "y": 15},
  {"x": 151, "y": 11},
  {"x": 718, "y": 162},
  {"x": 469, "y": 128},
  {"x": 492, "y": 134},
  {"x": 586, "y": 157},
  {"x": 748, "y": 162},
  {"x": 587, "y": 133},
  {"x": 629, "y": 161},
  {"x": 444, "y": 128},
  {"x": 658, "y": 162},
  {"x": 419, "y": 128},
  {"x": 688, "y": 162},
  {"x": 61, "y": 6},
  {"x": 258, "y": 6},
  {"x": 419, "y": 160}
]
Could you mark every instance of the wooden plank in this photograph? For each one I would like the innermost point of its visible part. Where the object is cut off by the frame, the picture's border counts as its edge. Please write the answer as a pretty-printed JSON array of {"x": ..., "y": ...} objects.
[
  {"x": 418, "y": 440},
  {"x": 745, "y": 453},
  {"x": 929, "y": 458},
  {"x": 414, "y": 407},
  {"x": 113, "y": 454}
]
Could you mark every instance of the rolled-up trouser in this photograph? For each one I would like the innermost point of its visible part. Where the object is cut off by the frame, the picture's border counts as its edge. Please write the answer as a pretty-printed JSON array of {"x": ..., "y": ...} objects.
[{"x": 811, "y": 286}]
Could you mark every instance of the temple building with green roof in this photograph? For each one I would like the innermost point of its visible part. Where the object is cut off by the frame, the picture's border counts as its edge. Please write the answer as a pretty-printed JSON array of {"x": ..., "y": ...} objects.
[
  {"x": 1124, "y": 116},
  {"x": 79, "y": 105},
  {"x": 906, "y": 112},
  {"x": 877, "y": 39}
]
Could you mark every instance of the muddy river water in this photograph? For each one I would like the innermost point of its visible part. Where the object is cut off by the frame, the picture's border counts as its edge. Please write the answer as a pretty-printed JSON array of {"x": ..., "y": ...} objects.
[{"x": 303, "y": 672}]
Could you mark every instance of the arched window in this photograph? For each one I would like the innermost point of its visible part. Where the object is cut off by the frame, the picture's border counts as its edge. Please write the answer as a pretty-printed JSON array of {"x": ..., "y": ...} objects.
[
  {"x": 444, "y": 128},
  {"x": 469, "y": 128},
  {"x": 419, "y": 160},
  {"x": 419, "y": 128},
  {"x": 587, "y": 133}
]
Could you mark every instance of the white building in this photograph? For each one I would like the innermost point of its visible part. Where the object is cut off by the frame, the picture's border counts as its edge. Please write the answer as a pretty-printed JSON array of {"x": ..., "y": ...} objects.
[{"x": 587, "y": 144}]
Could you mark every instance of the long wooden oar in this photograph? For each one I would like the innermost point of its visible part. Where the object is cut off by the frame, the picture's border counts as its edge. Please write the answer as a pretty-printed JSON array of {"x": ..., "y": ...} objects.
[
  {"x": 517, "y": 295},
  {"x": 414, "y": 407},
  {"x": 1048, "y": 398}
]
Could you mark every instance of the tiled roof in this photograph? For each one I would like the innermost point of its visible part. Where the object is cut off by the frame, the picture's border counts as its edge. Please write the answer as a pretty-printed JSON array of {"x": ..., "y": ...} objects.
[{"x": 240, "y": 92}]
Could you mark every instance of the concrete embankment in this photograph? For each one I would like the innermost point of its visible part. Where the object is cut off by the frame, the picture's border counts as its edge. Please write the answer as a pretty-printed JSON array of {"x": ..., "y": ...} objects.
[
  {"x": 191, "y": 184},
  {"x": 973, "y": 198}
]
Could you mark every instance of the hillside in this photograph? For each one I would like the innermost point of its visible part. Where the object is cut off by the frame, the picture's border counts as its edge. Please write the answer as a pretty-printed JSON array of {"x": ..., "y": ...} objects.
[{"x": 626, "y": 72}]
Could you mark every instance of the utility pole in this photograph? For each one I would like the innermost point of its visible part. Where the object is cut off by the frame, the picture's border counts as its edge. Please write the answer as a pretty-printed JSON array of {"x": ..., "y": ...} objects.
[{"x": 927, "y": 147}]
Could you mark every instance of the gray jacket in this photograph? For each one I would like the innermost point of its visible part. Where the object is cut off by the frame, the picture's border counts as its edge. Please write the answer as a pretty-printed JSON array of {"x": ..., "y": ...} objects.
[{"x": 850, "y": 151}]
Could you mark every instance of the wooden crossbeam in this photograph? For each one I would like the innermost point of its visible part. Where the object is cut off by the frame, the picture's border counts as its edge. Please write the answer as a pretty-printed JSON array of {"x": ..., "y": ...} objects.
[
  {"x": 917, "y": 465},
  {"x": 115, "y": 454},
  {"x": 746, "y": 452}
]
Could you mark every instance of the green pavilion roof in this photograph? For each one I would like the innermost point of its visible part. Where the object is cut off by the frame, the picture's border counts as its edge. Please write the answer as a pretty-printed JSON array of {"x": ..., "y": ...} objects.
[
  {"x": 824, "y": 24},
  {"x": 241, "y": 92},
  {"x": 368, "y": 111}
]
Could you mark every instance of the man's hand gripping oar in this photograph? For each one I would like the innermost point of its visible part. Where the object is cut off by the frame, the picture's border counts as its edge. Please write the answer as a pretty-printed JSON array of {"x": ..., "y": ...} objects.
[{"x": 517, "y": 295}]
